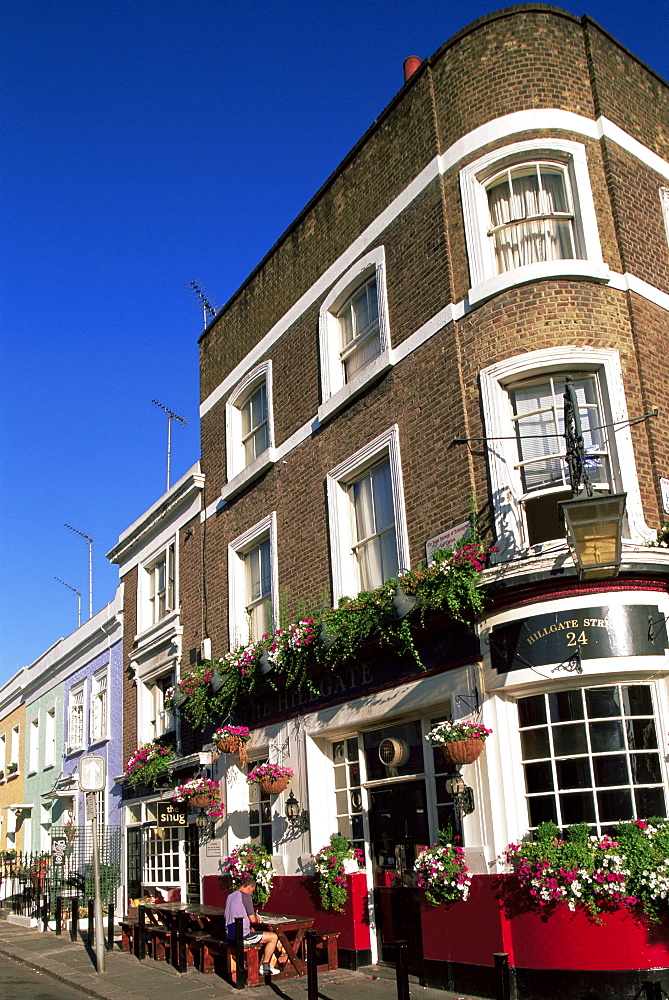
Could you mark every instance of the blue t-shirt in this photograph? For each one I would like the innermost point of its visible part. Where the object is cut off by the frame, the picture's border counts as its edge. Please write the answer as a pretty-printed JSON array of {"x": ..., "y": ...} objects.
[{"x": 238, "y": 904}]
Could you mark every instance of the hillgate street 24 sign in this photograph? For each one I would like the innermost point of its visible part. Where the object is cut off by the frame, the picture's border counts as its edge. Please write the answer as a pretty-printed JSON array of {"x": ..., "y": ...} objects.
[{"x": 589, "y": 633}]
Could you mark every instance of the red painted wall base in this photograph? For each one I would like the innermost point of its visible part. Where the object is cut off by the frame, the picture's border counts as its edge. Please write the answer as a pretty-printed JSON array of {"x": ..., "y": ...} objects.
[{"x": 298, "y": 896}]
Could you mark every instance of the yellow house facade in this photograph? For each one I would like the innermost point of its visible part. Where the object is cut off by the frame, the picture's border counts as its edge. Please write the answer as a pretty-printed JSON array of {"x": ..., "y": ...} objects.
[{"x": 13, "y": 818}]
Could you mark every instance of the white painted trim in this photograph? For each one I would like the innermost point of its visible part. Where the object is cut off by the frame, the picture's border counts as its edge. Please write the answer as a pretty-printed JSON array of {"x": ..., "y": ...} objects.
[
  {"x": 450, "y": 313},
  {"x": 664, "y": 201},
  {"x": 332, "y": 370},
  {"x": 237, "y": 549},
  {"x": 507, "y": 125},
  {"x": 344, "y": 579},
  {"x": 361, "y": 381},
  {"x": 233, "y": 419},
  {"x": 480, "y": 252},
  {"x": 248, "y": 475},
  {"x": 505, "y": 481}
]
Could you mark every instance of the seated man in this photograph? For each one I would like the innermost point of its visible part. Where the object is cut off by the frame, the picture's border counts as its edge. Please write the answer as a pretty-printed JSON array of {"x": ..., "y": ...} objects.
[{"x": 240, "y": 904}]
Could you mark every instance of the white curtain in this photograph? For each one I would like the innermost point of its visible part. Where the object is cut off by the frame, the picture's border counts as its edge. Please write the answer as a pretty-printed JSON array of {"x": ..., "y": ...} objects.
[{"x": 535, "y": 197}]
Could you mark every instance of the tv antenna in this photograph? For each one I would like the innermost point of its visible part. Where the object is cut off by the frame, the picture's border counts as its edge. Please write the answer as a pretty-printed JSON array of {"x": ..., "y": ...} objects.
[
  {"x": 88, "y": 539},
  {"x": 78, "y": 593},
  {"x": 207, "y": 308},
  {"x": 171, "y": 415}
]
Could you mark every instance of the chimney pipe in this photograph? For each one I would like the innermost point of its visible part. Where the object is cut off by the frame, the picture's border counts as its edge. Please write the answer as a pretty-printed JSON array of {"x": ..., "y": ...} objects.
[{"x": 410, "y": 66}]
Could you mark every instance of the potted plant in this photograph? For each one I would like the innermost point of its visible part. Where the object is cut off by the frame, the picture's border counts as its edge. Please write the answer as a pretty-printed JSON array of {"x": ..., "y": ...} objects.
[
  {"x": 12, "y": 767},
  {"x": 272, "y": 778},
  {"x": 595, "y": 874},
  {"x": 2, "y": 774},
  {"x": 69, "y": 830},
  {"x": 442, "y": 872},
  {"x": 460, "y": 742},
  {"x": 233, "y": 739},
  {"x": 201, "y": 793},
  {"x": 333, "y": 862},
  {"x": 147, "y": 763},
  {"x": 251, "y": 861}
]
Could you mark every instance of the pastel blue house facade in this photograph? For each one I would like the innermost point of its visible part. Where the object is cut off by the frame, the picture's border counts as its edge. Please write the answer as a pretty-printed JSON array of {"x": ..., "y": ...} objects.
[{"x": 73, "y": 707}]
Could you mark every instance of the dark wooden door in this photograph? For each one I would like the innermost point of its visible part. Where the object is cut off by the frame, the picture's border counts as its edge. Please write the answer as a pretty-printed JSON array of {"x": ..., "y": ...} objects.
[{"x": 399, "y": 832}]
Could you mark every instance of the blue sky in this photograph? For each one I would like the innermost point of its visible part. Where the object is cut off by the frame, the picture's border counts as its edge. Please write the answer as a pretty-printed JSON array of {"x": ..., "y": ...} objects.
[{"x": 146, "y": 144}]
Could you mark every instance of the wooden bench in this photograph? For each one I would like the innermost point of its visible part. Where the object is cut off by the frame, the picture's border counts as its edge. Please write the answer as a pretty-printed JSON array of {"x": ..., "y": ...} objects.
[
  {"x": 128, "y": 930},
  {"x": 205, "y": 949},
  {"x": 326, "y": 949}
]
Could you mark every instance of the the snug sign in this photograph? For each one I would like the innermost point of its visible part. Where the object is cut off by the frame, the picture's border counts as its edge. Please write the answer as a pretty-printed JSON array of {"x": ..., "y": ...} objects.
[
  {"x": 172, "y": 814},
  {"x": 590, "y": 633}
]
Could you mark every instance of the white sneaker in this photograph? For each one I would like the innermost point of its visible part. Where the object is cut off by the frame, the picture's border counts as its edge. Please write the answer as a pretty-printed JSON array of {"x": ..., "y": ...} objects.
[{"x": 269, "y": 970}]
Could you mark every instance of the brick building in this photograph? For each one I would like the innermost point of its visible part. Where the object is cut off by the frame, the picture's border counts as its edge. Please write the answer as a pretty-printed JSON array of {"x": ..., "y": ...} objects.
[{"x": 402, "y": 349}]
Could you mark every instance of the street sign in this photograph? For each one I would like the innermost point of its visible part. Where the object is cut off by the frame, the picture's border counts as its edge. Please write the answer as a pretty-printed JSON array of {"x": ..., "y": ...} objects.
[
  {"x": 446, "y": 540},
  {"x": 92, "y": 773},
  {"x": 58, "y": 849},
  {"x": 91, "y": 811}
]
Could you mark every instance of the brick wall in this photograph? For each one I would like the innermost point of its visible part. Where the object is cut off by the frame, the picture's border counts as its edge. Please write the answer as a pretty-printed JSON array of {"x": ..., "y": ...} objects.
[
  {"x": 529, "y": 58},
  {"x": 129, "y": 742}
]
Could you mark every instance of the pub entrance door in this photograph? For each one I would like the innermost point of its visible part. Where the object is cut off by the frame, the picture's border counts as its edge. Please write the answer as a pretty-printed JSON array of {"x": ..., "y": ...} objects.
[{"x": 398, "y": 832}]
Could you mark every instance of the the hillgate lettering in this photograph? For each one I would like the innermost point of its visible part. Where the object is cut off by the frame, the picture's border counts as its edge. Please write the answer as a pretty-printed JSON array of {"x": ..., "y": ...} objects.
[
  {"x": 629, "y": 630},
  {"x": 576, "y": 630},
  {"x": 326, "y": 688}
]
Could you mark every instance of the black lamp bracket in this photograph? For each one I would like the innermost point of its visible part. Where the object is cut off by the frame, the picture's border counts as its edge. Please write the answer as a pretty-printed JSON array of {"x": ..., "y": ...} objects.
[
  {"x": 652, "y": 634},
  {"x": 470, "y": 700},
  {"x": 571, "y": 666}
]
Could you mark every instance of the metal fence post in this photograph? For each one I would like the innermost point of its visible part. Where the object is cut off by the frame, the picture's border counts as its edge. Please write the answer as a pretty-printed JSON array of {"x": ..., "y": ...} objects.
[
  {"x": 74, "y": 927},
  {"x": 182, "y": 927},
  {"x": 140, "y": 944},
  {"x": 402, "y": 970},
  {"x": 59, "y": 915},
  {"x": 312, "y": 965},
  {"x": 110, "y": 927},
  {"x": 91, "y": 920},
  {"x": 502, "y": 976},
  {"x": 46, "y": 901},
  {"x": 240, "y": 972}
]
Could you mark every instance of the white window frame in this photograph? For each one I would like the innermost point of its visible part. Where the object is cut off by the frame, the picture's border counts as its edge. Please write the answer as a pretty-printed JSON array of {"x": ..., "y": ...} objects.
[
  {"x": 664, "y": 201},
  {"x": 146, "y": 608},
  {"x": 335, "y": 391},
  {"x": 338, "y": 480},
  {"x": 79, "y": 690},
  {"x": 33, "y": 746},
  {"x": 15, "y": 748},
  {"x": 505, "y": 480},
  {"x": 3, "y": 755},
  {"x": 99, "y": 727},
  {"x": 153, "y": 721},
  {"x": 237, "y": 551},
  {"x": 239, "y": 474},
  {"x": 50, "y": 737},
  {"x": 474, "y": 179}
]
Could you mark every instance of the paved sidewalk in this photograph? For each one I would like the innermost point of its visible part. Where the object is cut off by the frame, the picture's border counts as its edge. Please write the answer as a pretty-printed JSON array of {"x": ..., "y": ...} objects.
[{"x": 126, "y": 978}]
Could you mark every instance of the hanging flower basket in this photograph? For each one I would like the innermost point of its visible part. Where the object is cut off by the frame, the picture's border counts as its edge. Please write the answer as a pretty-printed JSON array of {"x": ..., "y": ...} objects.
[
  {"x": 201, "y": 801},
  {"x": 272, "y": 778},
  {"x": 460, "y": 742},
  {"x": 462, "y": 751},
  {"x": 233, "y": 740},
  {"x": 200, "y": 793},
  {"x": 274, "y": 786}
]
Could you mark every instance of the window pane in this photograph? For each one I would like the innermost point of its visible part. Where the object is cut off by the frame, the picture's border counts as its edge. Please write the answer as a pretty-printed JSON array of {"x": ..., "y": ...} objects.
[
  {"x": 535, "y": 744},
  {"x": 641, "y": 734},
  {"x": 569, "y": 739},
  {"x": 645, "y": 768},
  {"x": 615, "y": 805},
  {"x": 602, "y": 702},
  {"x": 637, "y": 700},
  {"x": 650, "y": 802},
  {"x": 574, "y": 773},
  {"x": 539, "y": 777},
  {"x": 606, "y": 736},
  {"x": 577, "y": 808},
  {"x": 611, "y": 770},
  {"x": 566, "y": 705},
  {"x": 542, "y": 809},
  {"x": 531, "y": 711}
]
